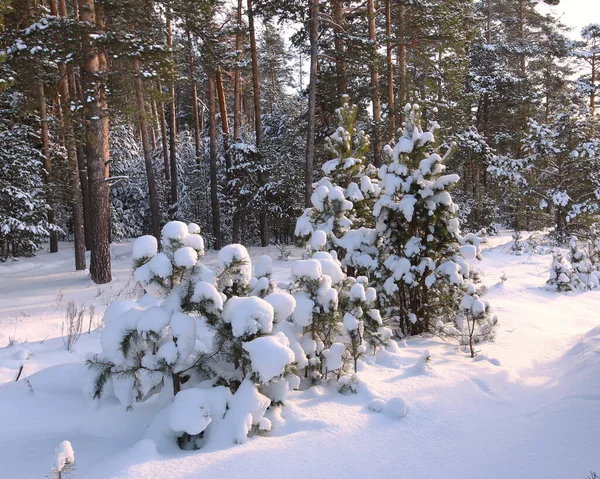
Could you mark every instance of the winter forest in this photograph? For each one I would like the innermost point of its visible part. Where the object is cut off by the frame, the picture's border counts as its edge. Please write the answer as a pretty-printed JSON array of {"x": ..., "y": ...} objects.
[{"x": 319, "y": 238}]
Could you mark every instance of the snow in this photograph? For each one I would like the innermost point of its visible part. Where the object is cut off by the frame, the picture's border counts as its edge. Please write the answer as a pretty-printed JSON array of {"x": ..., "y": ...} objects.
[
  {"x": 248, "y": 315},
  {"x": 236, "y": 253},
  {"x": 307, "y": 269},
  {"x": 395, "y": 407},
  {"x": 174, "y": 230},
  {"x": 531, "y": 396},
  {"x": 206, "y": 292},
  {"x": 145, "y": 247},
  {"x": 303, "y": 312},
  {"x": 161, "y": 266},
  {"x": 263, "y": 267},
  {"x": 318, "y": 240},
  {"x": 269, "y": 355},
  {"x": 64, "y": 455},
  {"x": 195, "y": 241},
  {"x": 153, "y": 319},
  {"x": 283, "y": 305},
  {"x": 185, "y": 257}
]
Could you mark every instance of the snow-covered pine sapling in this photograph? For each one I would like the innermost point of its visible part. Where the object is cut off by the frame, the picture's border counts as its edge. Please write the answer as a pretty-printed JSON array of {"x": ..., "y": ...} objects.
[
  {"x": 284, "y": 252},
  {"x": 562, "y": 276},
  {"x": 474, "y": 319},
  {"x": 517, "y": 246},
  {"x": 65, "y": 461},
  {"x": 313, "y": 287},
  {"x": 198, "y": 329},
  {"x": 422, "y": 254},
  {"x": 235, "y": 270},
  {"x": 343, "y": 199},
  {"x": 582, "y": 264}
]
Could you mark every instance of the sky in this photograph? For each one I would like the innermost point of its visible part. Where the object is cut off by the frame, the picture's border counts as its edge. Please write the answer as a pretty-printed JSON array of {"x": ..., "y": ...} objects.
[{"x": 578, "y": 13}]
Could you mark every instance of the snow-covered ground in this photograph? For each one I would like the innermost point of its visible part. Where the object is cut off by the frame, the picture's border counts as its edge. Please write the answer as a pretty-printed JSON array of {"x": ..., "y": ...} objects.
[{"x": 527, "y": 406}]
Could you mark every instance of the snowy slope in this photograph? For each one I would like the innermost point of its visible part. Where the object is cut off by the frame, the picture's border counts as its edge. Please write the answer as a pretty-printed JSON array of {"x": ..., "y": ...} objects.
[{"x": 528, "y": 406}]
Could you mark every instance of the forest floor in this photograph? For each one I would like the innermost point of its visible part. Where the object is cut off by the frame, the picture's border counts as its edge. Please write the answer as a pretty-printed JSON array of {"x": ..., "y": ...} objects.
[{"x": 528, "y": 406}]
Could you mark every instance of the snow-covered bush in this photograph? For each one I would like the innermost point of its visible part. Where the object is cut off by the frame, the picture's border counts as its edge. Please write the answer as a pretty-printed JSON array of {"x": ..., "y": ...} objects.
[
  {"x": 65, "y": 461},
  {"x": 474, "y": 320},
  {"x": 341, "y": 216},
  {"x": 196, "y": 327},
  {"x": 423, "y": 257},
  {"x": 562, "y": 276},
  {"x": 581, "y": 258}
]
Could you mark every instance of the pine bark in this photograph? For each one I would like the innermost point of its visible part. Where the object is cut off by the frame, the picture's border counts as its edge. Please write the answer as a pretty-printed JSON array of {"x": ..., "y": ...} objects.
[
  {"x": 212, "y": 126},
  {"x": 163, "y": 132},
  {"x": 97, "y": 152},
  {"x": 172, "y": 122},
  {"x": 340, "y": 63},
  {"x": 375, "y": 91},
  {"x": 312, "y": 100},
  {"x": 390, "y": 70},
  {"x": 264, "y": 229},
  {"x": 45, "y": 136},
  {"x": 143, "y": 125},
  {"x": 194, "y": 94}
]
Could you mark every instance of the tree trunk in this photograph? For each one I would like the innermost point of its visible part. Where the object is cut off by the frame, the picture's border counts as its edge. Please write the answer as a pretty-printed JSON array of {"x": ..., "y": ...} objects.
[
  {"x": 390, "y": 70},
  {"x": 264, "y": 229},
  {"x": 97, "y": 152},
  {"x": 402, "y": 59},
  {"x": 141, "y": 112},
  {"x": 223, "y": 112},
  {"x": 67, "y": 127},
  {"x": 312, "y": 99},
  {"x": 47, "y": 166},
  {"x": 163, "y": 132},
  {"x": 212, "y": 125},
  {"x": 194, "y": 93},
  {"x": 237, "y": 111},
  {"x": 340, "y": 63},
  {"x": 237, "y": 91},
  {"x": 172, "y": 122},
  {"x": 375, "y": 94}
]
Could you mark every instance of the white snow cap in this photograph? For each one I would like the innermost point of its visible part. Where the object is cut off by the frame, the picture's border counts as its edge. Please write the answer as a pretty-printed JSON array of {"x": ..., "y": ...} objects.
[
  {"x": 263, "y": 267},
  {"x": 185, "y": 257},
  {"x": 204, "y": 291},
  {"x": 269, "y": 355},
  {"x": 145, "y": 247},
  {"x": 234, "y": 253},
  {"x": 307, "y": 268},
  {"x": 195, "y": 241},
  {"x": 248, "y": 315},
  {"x": 283, "y": 305},
  {"x": 174, "y": 230},
  {"x": 193, "y": 409},
  {"x": 193, "y": 229},
  {"x": 64, "y": 455},
  {"x": 318, "y": 240}
]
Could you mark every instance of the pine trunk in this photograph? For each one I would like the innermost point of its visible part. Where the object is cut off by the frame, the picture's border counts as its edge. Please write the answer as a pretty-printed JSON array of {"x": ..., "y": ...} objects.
[
  {"x": 172, "y": 123},
  {"x": 264, "y": 229},
  {"x": 163, "y": 132},
  {"x": 312, "y": 100},
  {"x": 47, "y": 166},
  {"x": 375, "y": 93},
  {"x": 390, "y": 70},
  {"x": 141, "y": 112},
  {"x": 96, "y": 118},
  {"x": 194, "y": 94},
  {"x": 212, "y": 125},
  {"x": 340, "y": 63}
]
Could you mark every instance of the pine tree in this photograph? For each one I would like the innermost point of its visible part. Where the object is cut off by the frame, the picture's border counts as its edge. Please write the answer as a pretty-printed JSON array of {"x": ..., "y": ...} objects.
[
  {"x": 195, "y": 323},
  {"x": 24, "y": 221},
  {"x": 422, "y": 263},
  {"x": 343, "y": 200}
]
